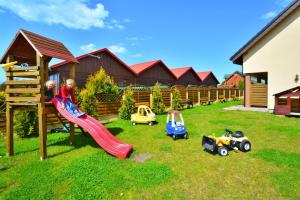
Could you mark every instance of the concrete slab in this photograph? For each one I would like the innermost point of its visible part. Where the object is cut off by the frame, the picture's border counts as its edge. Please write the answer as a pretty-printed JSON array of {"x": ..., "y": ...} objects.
[{"x": 243, "y": 108}]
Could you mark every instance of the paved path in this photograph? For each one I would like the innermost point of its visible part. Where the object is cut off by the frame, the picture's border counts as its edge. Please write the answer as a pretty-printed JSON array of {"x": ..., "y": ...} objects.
[{"x": 242, "y": 108}]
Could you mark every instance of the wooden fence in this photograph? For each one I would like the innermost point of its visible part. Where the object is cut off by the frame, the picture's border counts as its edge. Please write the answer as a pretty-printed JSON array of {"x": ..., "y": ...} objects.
[
  {"x": 109, "y": 104},
  {"x": 198, "y": 95}
]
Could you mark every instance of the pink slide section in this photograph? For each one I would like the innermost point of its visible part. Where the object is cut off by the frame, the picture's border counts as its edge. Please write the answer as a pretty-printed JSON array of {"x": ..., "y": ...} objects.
[{"x": 98, "y": 132}]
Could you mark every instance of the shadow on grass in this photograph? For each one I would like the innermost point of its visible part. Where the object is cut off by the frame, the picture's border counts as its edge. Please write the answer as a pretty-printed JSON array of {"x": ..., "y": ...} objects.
[{"x": 115, "y": 130}]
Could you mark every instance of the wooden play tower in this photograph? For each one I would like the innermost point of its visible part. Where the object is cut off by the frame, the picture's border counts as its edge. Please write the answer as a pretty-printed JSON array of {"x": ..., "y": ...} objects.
[{"x": 25, "y": 84}]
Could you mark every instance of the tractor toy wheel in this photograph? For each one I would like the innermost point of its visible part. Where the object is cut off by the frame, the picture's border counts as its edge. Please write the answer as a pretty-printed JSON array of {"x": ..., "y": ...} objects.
[
  {"x": 133, "y": 123},
  {"x": 150, "y": 123},
  {"x": 223, "y": 151},
  {"x": 186, "y": 136},
  {"x": 174, "y": 137},
  {"x": 245, "y": 146}
]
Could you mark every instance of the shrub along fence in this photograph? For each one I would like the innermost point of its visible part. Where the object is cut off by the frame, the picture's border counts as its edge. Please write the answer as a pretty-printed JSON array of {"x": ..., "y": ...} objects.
[
  {"x": 198, "y": 95},
  {"x": 110, "y": 104}
]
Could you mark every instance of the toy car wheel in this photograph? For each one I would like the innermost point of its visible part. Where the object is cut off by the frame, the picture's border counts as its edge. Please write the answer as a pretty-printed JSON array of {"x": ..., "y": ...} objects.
[
  {"x": 186, "y": 136},
  {"x": 133, "y": 123},
  {"x": 150, "y": 123},
  {"x": 174, "y": 137},
  {"x": 245, "y": 146},
  {"x": 223, "y": 151}
]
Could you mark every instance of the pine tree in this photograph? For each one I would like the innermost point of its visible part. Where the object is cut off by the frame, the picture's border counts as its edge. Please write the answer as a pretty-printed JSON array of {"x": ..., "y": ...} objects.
[
  {"x": 127, "y": 107},
  {"x": 157, "y": 100},
  {"x": 97, "y": 84},
  {"x": 176, "y": 100}
]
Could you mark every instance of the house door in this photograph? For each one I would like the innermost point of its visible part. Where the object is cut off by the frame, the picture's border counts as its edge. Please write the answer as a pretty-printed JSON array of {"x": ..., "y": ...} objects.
[
  {"x": 259, "y": 95},
  {"x": 295, "y": 105}
]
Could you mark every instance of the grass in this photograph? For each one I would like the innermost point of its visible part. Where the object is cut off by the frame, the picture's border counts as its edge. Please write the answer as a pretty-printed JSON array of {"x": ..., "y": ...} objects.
[{"x": 177, "y": 170}]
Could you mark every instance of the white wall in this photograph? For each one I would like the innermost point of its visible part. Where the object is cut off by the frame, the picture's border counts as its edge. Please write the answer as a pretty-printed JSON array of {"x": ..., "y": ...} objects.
[{"x": 278, "y": 53}]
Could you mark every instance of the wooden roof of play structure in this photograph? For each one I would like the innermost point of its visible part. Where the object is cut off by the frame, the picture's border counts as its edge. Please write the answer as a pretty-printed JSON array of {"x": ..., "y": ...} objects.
[
  {"x": 26, "y": 45},
  {"x": 293, "y": 92}
]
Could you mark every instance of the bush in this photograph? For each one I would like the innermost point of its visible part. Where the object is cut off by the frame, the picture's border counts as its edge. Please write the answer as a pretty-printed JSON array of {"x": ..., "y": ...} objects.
[
  {"x": 157, "y": 100},
  {"x": 127, "y": 107},
  {"x": 96, "y": 85},
  {"x": 176, "y": 100},
  {"x": 25, "y": 123},
  {"x": 2, "y": 98},
  {"x": 241, "y": 85}
]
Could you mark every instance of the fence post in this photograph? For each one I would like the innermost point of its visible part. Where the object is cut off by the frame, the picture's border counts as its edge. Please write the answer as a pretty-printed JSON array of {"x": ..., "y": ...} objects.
[
  {"x": 171, "y": 99},
  {"x": 186, "y": 94},
  {"x": 151, "y": 100},
  {"x": 198, "y": 96}
]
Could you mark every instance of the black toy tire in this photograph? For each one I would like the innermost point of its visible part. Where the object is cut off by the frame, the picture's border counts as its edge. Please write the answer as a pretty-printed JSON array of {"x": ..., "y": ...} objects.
[
  {"x": 245, "y": 146},
  {"x": 186, "y": 136},
  {"x": 222, "y": 151},
  {"x": 174, "y": 137}
]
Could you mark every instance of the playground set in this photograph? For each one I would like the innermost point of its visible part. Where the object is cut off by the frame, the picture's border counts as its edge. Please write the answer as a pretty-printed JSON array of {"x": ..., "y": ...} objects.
[{"x": 25, "y": 90}]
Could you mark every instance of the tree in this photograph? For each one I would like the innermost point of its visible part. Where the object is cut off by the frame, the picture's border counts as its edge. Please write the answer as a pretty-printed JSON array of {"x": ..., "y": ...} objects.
[
  {"x": 127, "y": 107},
  {"x": 241, "y": 85},
  {"x": 97, "y": 84},
  {"x": 157, "y": 100},
  {"x": 176, "y": 105}
]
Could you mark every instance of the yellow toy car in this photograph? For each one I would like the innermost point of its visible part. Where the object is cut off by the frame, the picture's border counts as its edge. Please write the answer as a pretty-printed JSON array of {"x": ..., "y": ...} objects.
[
  {"x": 230, "y": 140},
  {"x": 144, "y": 115}
]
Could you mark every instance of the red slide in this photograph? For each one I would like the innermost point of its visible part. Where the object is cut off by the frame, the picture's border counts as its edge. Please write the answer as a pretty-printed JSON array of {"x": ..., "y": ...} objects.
[{"x": 100, "y": 134}]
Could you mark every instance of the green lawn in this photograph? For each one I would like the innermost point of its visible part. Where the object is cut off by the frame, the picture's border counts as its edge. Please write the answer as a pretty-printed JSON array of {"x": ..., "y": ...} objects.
[{"x": 178, "y": 169}]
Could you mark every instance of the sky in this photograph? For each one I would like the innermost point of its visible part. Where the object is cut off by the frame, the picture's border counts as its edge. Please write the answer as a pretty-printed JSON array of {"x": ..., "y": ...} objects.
[{"x": 203, "y": 34}]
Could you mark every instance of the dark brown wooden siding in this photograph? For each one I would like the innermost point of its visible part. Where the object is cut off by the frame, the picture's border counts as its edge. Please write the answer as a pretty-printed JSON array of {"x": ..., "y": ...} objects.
[
  {"x": 157, "y": 73},
  {"x": 188, "y": 78},
  {"x": 89, "y": 65},
  {"x": 210, "y": 81}
]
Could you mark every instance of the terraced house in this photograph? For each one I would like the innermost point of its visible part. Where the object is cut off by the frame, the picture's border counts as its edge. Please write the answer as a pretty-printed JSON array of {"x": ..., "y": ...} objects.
[{"x": 270, "y": 60}]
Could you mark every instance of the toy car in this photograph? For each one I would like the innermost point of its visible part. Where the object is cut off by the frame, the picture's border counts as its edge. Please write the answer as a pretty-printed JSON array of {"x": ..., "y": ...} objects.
[
  {"x": 144, "y": 115},
  {"x": 230, "y": 140},
  {"x": 175, "y": 125}
]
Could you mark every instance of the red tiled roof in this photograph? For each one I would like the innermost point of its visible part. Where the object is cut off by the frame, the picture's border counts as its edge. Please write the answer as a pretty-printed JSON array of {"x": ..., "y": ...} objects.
[
  {"x": 43, "y": 46},
  {"x": 141, "y": 67},
  {"x": 93, "y": 53},
  {"x": 179, "y": 72},
  {"x": 204, "y": 75}
]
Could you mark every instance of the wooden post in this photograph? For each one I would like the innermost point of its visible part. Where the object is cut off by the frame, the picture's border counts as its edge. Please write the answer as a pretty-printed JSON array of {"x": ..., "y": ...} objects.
[
  {"x": 171, "y": 98},
  {"x": 208, "y": 93},
  {"x": 229, "y": 91},
  {"x": 198, "y": 96},
  {"x": 9, "y": 119},
  {"x": 247, "y": 90},
  {"x": 186, "y": 94},
  {"x": 72, "y": 125},
  {"x": 41, "y": 111},
  {"x": 217, "y": 93},
  {"x": 151, "y": 100}
]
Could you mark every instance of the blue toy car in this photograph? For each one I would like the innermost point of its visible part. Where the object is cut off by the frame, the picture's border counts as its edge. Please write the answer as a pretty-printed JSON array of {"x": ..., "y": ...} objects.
[{"x": 175, "y": 125}]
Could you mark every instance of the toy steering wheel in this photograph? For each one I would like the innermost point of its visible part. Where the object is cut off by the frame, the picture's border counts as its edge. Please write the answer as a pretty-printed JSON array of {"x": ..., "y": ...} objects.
[{"x": 228, "y": 132}]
